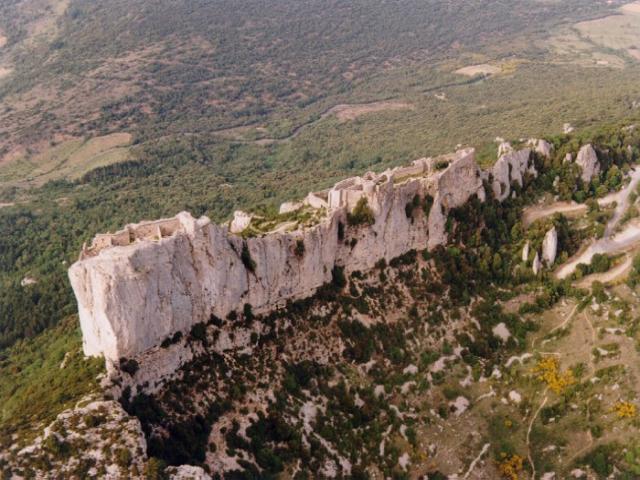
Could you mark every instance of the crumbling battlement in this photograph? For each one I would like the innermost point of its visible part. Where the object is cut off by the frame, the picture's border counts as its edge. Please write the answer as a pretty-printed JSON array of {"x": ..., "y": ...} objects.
[
  {"x": 141, "y": 285},
  {"x": 132, "y": 233}
]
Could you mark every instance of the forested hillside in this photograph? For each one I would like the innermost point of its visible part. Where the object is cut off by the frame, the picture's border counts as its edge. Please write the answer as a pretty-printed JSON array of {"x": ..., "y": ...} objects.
[{"x": 82, "y": 68}]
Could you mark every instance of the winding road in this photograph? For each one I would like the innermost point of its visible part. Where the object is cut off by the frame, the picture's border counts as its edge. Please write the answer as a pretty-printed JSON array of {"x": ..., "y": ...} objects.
[{"x": 610, "y": 243}]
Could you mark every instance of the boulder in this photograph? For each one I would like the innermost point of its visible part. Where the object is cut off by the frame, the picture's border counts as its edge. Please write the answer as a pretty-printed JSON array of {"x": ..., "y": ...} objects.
[
  {"x": 588, "y": 161},
  {"x": 550, "y": 247}
]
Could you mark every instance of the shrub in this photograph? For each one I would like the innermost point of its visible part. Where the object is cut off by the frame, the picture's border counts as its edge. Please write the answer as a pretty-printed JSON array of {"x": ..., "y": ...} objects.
[
  {"x": 247, "y": 261},
  {"x": 361, "y": 214},
  {"x": 338, "y": 279},
  {"x": 199, "y": 332},
  {"x": 600, "y": 263},
  {"x": 155, "y": 469},
  {"x": 129, "y": 365},
  {"x": 92, "y": 420},
  {"x": 123, "y": 457},
  {"x": 427, "y": 203},
  {"x": 57, "y": 448},
  {"x": 411, "y": 206},
  {"x": 247, "y": 311},
  {"x": 299, "y": 249}
]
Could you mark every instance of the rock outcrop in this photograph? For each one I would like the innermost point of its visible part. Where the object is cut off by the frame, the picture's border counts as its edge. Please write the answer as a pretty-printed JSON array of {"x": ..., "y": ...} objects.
[
  {"x": 188, "y": 472},
  {"x": 541, "y": 147},
  {"x": 587, "y": 159},
  {"x": 511, "y": 167},
  {"x": 504, "y": 148},
  {"x": 537, "y": 264},
  {"x": 550, "y": 247},
  {"x": 241, "y": 220},
  {"x": 137, "y": 287},
  {"x": 98, "y": 434},
  {"x": 525, "y": 251}
]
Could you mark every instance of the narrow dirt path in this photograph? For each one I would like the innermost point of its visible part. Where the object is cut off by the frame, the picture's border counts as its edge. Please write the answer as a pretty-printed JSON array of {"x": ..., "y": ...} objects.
[
  {"x": 610, "y": 243},
  {"x": 566, "y": 320},
  {"x": 472, "y": 467},
  {"x": 536, "y": 212},
  {"x": 593, "y": 330},
  {"x": 533, "y": 419}
]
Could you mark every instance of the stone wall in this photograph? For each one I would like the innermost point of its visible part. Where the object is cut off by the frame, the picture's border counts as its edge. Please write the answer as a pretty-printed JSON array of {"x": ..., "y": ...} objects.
[{"x": 132, "y": 296}]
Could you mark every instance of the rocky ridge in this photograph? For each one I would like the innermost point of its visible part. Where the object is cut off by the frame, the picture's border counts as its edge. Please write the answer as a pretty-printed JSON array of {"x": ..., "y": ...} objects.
[{"x": 140, "y": 286}]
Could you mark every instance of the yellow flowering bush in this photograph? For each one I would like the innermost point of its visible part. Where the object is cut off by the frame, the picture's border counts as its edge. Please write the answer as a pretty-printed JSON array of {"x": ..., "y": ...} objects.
[
  {"x": 548, "y": 371},
  {"x": 510, "y": 466},
  {"x": 625, "y": 410}
]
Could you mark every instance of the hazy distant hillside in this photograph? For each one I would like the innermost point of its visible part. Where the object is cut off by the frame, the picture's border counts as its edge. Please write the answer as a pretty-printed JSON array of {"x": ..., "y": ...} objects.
[{"x": 73, "y": 68}]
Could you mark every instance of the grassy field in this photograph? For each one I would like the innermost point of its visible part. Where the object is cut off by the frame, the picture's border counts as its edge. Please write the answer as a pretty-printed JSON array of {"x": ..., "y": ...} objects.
[{"x": 68, "y": 160}]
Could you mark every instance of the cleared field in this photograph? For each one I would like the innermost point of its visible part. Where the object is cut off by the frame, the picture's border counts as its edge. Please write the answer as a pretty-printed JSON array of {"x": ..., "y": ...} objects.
[
  {"x": 618, "y": 32},
  {"x": 70, "y": 159},
  {"x": 482, "y": 69},
  {"x": 345, "y": 113}
]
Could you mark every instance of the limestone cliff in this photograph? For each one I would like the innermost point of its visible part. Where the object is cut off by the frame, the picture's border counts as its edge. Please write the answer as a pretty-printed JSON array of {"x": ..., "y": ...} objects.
[{"x": 141, "y": 285}]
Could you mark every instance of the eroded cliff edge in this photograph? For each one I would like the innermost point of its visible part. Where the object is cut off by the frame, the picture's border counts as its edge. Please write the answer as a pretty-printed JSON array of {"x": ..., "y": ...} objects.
[{"x": 141, "y": 285}]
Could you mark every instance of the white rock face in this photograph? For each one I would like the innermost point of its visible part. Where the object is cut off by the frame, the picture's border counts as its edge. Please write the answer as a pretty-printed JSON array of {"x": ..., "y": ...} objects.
[
  {"x": 26, "y": 281},
  {"x": 537, "y": 264},
  {"x": 525, "y": 251},
  {"x": 504, "y": 148},
  {"x": 501, "y": 331},
  {"x": 138, "y": 286},
  {"x": 188, "y": 472},
  {"x": 510, "y": 168},
  {"x": 241, "y": 220},
  {"x": 541, "y": 147},
  {"x": 550, "y": 247},
  {"x": 588, "y": 161}
]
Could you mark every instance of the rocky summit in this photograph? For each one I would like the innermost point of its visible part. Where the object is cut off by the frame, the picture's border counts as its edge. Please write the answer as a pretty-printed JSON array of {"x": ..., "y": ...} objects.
[{"x": 141, "y": 285}]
